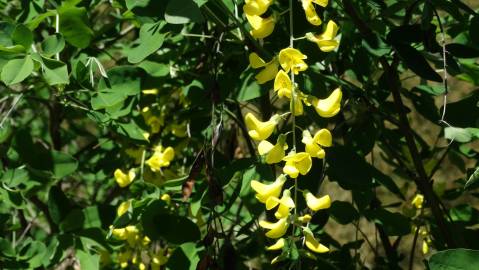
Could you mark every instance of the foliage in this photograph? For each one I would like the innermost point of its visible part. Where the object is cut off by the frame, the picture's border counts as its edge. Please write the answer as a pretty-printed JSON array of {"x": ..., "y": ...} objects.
[{"x": 230, "y": 134}]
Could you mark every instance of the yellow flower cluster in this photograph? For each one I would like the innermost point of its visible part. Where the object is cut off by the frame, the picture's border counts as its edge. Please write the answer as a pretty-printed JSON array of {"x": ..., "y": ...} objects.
[
  {"x": 161, "y": 158},
  {"x": 138, "y": 249},
  {"x": 260, "y": 27},
  {"x": 282, "y": 68}
]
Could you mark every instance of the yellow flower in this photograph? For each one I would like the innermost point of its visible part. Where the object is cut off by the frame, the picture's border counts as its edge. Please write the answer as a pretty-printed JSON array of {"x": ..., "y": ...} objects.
[
  {"x": 310, "y": 11},
  {"x": 305, "y": 219},
  {"x": 261, "y": 27},
  {"x": 418, "y": 201},
  {"x": 123, "y": 179},
  {"x": 316, "y": 204},
  {"x": 141, "y": 266},
  {"x": 425, "y": 247},
  {"x": 264, "y": 191},
  {"x": 274, "y": 153},
  {"x": 326, "y": 41},
  {"x": 161, "y": 158},
  {"x": 260, "y": 130},
  {"x": 158, "y": 259},
  {"x": 313, "y": 144},
  {"x": 153, "y": 91},
  {"x": 123, "y": 208},
  {"x": 283, "y": 85},
  {"x": 119, "y": 233},
  {"x": 132, "y": 235},
  {"x": 298, "y": 105},
  {"x": 292, "y": 59},
  {"x": 312, "y": 243},
  {"x": 277, "y": 229},
  {"x": 329, "y": 106},
  {"x": 269, "y": 71},
  {"x": 256, "y": 7},
  {"x": 166, "y": 198},
  {"x": 297, "y": 163},
  {"x": 278, "y": 245},
  {"x": 286, "y": 203}
]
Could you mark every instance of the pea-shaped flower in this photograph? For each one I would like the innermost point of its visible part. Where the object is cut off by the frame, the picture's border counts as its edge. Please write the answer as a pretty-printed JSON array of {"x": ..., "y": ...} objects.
[
  {"x": 418, "y": 201},
  {"x": 312, "y": 243},
  {"x": 265, "y": 191},
  {"x": 329, "y": 106},
  {"x": 260, "y": 130},
  {"x": 161, "y": 158},
  {"x": 123, "y": 208},
  {"x": 292, "y": 59},
  {"x": 124, "y": 179},
  {"x": 283, "y": 85},
  {"x": 277, "y": 245},
  {"x": 285, "y": 204},
  {"x": 326, "y": 41},
  {"x": 277, "y": 229},
  {"x": 256, "y": 7},
  {"x": 274, "y": 153},
  {"x": 269, "y": 69},
  {"x": 297, "y": 163},
  {"x": 310, "y": 11},
  {"x": 316, "y": 204},
  {"x": 261, "y": 27},
  {"x": 313, "y": 144}
]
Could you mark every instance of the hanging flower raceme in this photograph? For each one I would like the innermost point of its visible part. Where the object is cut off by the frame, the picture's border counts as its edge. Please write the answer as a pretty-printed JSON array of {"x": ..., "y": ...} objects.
[
  {"x": 326, "y": 41},
  {"x": 310, "y": 11},
  {"x": 312, "y": 243},
  {"x": 297, "y": 163},
  {"x": 274, "y": 153},
  {"x": 260, "y": 130},
  {"x": 269, "y": 71},
  {"x": 277, "y": 229},
  {"x": 261, "y": 27},
  {"x": 316, "y": 204},
  {"x": 313, "y": 144},
  {"x": 285, "y": 204},
  {"x": 161, "y": 158},
  {"x": 265, "y": 191},
  {"x": 256, "y": 7},
  {"x": 124, "y": 179},
  {"x": 329, "y": 106},
  {"x": 292, "y": 59}
]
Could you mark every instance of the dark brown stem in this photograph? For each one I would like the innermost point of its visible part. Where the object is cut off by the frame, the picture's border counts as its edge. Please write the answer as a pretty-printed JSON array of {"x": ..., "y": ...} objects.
[{"x": 413, "y": 248}]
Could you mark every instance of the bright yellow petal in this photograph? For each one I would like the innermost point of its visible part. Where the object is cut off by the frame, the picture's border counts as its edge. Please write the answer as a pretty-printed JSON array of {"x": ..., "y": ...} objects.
[
  {"x": 271, "y": 203},
  {"x": 314, "y": 150},
  {"x": 264, "y": 147},
  {"x": 278, "y": 245},
  {"x": 310, "y": 12},
  {"x": 317, "y": 204},
  {"x": 276, "y": 154},
  {"x": 256, "y": 7},
  {"x": 262, "y": 27},
  {"x": 314, "y": 245},
  {"x": 290, "y": 58},
  {"x": 255, "y": 61},
  {"x": 304, "y": 165},
  {"x": 260, "y": 130},
  {"x": 322, "y": 3},
  {"x": 323, "y": 137},
  {"x": 282, "y": 84},
  {"x": 330, "y": 32},
  {"x": 123, "y": 208},
  {"x": 278, "y": 229},
  {"x": 298, "y": 106},
  {"x": 291, "y": 170},
  {"x": 268, "y": 73},
  {"x": 329, "y": 106},
  {"x": 169, "y": 153}
]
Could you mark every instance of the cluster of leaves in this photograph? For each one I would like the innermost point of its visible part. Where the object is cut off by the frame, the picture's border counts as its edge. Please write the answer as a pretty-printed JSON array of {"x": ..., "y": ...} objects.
[{"x": 73, "y": 75}]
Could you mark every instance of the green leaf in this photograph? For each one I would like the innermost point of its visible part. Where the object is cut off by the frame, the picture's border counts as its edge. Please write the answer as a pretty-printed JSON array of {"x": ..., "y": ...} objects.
[
  {"x": 155, "y": 69},
  {"x": 431, "y": 89},
  {"x": 131, "y": 130},
  {"x": 87, "y": 260},
  {"x": 122, "y": 79},
  {"x": 17, "y": 70},
  {"x": 55, "y": 72},
  {"x": 53, "y": 44},
  {"x": 63, "y": 164},
  {"x": 22, "y": 36},
  {"x": 58, "y": 204},
  {"x": 184, "y": 257},
  {"x": 462, "y": 51},
  {"x": 103, "y": 100},
  {"x": 183, "y": 11},
  {"x": 35, "y": 22},
  {"x": 474, "y": 178},
  {"x": 150, "y": 41},
  {"x": 473, "y": 33},
  {"x": 74, "y": 26},
  {"x": 461, "y": 135},
  {"x": 250, "y": 89},
  {"x": 394, "y": 224},
  {"x": 416, "y": 62},
  {"x": 343, "y": 212},
  {"x": 455, "y": 259}
]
